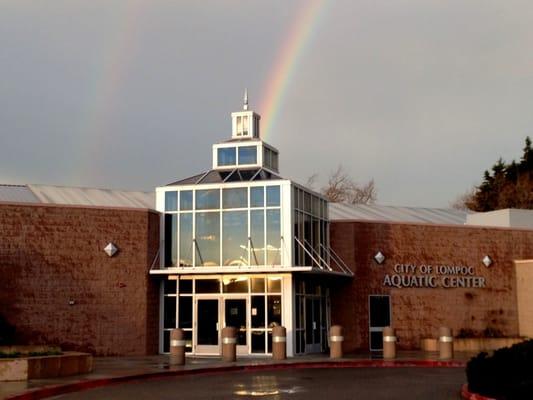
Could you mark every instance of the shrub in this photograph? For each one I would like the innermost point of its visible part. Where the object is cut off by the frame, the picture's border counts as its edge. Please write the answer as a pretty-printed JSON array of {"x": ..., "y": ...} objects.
[{"x": 507, "y": 374}]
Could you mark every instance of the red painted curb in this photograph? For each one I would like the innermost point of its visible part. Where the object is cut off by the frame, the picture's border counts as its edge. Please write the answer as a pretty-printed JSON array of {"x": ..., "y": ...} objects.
[
  {"x": 55, "y": 390},
  {"x": 468, "y": 395}
]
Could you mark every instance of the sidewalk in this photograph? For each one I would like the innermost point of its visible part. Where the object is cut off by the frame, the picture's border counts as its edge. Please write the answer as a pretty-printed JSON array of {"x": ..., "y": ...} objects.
[{"x": 110, "y": 369}]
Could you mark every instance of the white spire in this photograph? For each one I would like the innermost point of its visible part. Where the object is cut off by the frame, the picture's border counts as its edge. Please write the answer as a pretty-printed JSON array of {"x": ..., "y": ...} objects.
[{"x": 245, "y": 106}]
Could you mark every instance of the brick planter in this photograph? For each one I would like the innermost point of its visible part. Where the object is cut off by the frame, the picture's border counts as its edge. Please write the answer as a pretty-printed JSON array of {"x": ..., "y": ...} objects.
[{"x": 68, "y": 363}]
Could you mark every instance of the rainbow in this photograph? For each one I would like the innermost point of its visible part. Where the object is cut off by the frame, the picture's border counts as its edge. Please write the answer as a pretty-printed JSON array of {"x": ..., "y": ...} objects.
[
  {"x": 109, "y": 78},
  {"x": 298, "y": 39}
]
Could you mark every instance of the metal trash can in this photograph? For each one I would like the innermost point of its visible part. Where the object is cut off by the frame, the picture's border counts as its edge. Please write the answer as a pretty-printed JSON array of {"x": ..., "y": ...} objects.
[
  {"x": 177, "y": 347},
  {"x": 335, "y": 341},
  {"x": 229, "y": 344},
  {"x": 445, "y": 343},
  {"x": 279, "y": 343},
  {"x": 389, "y": 343}
]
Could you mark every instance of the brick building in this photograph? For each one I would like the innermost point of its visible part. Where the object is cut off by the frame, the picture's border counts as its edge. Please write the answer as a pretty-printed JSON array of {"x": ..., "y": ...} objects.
[{"x": 112, "y": 272}]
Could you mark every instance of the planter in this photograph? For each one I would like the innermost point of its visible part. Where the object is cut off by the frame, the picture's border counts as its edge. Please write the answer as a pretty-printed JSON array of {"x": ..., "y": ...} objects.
[
  {"x": 24, "y": 368},
  {"x": 471, "y": 344}
]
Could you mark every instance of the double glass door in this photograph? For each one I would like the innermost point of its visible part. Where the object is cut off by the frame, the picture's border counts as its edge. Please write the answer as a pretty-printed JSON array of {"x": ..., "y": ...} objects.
[
  {"x": 214, "y": 313},
  {"x": 313, "y": 324}
]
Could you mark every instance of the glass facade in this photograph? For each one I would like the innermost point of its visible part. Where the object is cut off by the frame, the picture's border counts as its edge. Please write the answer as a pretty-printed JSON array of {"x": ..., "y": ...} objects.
[
  {"x": 227, "y": 156},
  {"x": 257, "y": 297},
  {"x": 311, "y": 228},
  {"x": 237, "y": 226},
  {"x": 247, "y": 155}
]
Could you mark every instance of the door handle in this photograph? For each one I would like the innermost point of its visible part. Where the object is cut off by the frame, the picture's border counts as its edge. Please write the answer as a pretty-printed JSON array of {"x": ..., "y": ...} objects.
[
  {"x": 314, "y": 325},
  {"x": 217, "y": 326}
]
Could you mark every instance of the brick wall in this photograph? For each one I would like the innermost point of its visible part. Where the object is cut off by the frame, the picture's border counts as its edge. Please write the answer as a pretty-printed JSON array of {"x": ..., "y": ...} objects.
[
  {"x": 418, "y": 312},
  {"x": 50, "y": 255}
]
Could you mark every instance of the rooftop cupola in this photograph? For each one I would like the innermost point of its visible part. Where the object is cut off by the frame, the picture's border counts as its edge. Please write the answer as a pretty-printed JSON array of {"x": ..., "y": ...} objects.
[{"x": 245, "y": 123}]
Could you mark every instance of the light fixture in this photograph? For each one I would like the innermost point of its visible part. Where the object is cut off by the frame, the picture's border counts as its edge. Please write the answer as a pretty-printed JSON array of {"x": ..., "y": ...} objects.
[
  {"x": 379, "y": 257},
  {"x": 110, "y": 249},
  {"x": 487, "y": 261}
]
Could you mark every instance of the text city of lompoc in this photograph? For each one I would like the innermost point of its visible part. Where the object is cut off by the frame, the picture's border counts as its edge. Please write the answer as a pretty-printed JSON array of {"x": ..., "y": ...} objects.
[{"x": 433, "y": 276}]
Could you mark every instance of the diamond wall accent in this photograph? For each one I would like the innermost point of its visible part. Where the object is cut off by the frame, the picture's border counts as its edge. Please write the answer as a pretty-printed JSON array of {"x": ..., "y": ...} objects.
[
  {"x": 110, "y": 249},
  {"x": 379, "y": 257},
  {"x": 487, "y": 261}
]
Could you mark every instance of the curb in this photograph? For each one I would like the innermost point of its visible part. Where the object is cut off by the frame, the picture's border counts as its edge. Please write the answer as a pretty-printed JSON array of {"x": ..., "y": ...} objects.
[
  {"x": 468, "y": 395},
  {"x": 55, "y": 390}
]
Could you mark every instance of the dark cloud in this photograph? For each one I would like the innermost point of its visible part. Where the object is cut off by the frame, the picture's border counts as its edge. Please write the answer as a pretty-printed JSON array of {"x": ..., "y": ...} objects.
[{"x": 420, "y": 95}]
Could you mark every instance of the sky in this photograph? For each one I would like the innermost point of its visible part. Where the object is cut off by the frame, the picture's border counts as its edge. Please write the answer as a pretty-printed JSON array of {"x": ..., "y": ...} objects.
[{"x": 420, "y": 95}]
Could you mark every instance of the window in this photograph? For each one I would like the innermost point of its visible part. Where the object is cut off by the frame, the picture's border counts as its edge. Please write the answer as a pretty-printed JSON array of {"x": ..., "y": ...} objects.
[
  {"x": 186, "y": 200},
  {"x": 272, "y": 195},
  {"x": 227, "y": 156},
  {"x": 234, "y": 198},
  {"x": 207, "y": 199},
  {"x": 235, "y": 238},
  {"x": 185, "y": 239},
  {"x": 171, "y": 201},
  {"x": 208, "y": 239},
  {"x": 257, "y": 196},
  {"x": 247, "y": 155},
  {"x": 273, "y": 237},
  {"x": 171, "y": 240},
  {"x": 257, "y": 237}
]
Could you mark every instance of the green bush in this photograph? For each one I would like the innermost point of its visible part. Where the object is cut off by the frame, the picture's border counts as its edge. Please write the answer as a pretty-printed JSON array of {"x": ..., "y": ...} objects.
[{"x": 506, "y": 375}]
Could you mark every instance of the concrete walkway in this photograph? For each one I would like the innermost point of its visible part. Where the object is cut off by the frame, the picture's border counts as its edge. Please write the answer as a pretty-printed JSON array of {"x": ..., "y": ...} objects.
[{"x": 127, "y": 368}]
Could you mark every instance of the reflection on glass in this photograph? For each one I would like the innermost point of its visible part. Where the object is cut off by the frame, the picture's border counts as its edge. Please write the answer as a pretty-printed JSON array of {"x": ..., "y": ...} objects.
[
  {"x": 171, "y": 239},
  {"x": 171, "y": 201},
  {"x": 227, "y": 156},
  {"x": 258, "y": 285},
  {"x": 272, "y": 194},
  {"x": 207, "y": 199},
  {"x": 235, "y": 285},
  {"x": 257, "y": 196},
  {"x": 186, "y": 200},
  {"x": 274, "y": 284},
  {"x": 186, "y": 239},
  {"x": 207, "y": 239},
  {"x": 273, "y": 237},
  {"x": 235, "y": 238},
  {"x": 257, "y": 235},
  {"x": 234, "y": 198},
  {"x": 247, "y": 155},
  {"x": 274, "y": 310}
]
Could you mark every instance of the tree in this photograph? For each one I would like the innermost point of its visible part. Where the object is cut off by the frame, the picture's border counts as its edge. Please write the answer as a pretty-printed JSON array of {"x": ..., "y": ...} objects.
[
  {"x": 505, "y": 186},
  {"x": 341, "y": 188}
]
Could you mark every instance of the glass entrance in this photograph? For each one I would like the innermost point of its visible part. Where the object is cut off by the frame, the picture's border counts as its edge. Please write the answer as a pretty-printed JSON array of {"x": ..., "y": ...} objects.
[
  {"x": 235, "y": 316},
  {"x": 207, "y": 332},
  {"x": 379, "y": 318}
]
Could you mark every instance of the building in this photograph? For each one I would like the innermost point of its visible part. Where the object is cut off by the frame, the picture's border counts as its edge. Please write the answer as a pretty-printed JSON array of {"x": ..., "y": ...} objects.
[
  {"x": 112, "y": 272},
  {"x": 242, "y": 246}
]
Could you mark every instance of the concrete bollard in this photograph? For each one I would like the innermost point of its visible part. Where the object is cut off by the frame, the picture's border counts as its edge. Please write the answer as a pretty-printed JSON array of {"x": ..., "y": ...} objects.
[
  {"x": 445, "y": 343},
  {"x": 229, "y": 344},
  {"x": 177, "y": 347},
  {"x": 335, "y": 341},
  {"x": 279, "y": 343},
  {"x": 389, "y": 343}
]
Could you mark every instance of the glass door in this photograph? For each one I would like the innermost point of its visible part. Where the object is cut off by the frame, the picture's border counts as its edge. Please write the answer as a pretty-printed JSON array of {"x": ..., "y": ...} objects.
[
  {"x": 313, "y": 324},
  {"x": 207, "y": 326},
  {"x": 235, "y": 315}
]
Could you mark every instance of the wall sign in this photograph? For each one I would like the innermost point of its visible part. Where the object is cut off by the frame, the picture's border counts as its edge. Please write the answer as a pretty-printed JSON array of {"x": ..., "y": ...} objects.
[{"x": 433, "y": 276}]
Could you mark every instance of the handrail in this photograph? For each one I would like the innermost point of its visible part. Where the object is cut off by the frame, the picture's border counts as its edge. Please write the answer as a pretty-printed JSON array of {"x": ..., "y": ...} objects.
[
  {"x": 318, "y": 255},
  {"x": 308, "y": 253},
  {"x": 155, "y": 259}
]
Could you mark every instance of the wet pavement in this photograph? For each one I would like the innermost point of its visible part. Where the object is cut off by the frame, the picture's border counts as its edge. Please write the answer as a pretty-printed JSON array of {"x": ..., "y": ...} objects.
[
  {"x": 294, "y": 384},
  {"x": 112, "y": 367}
]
